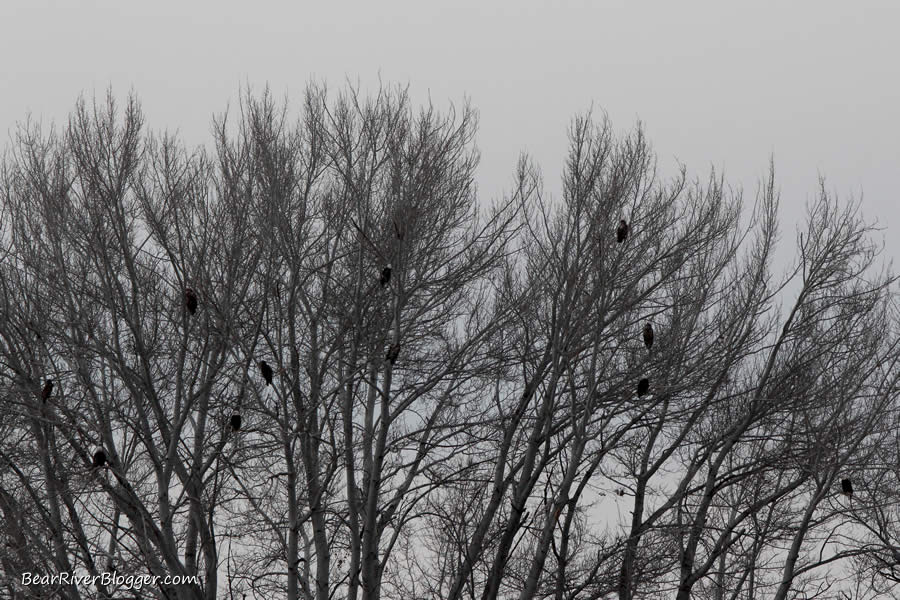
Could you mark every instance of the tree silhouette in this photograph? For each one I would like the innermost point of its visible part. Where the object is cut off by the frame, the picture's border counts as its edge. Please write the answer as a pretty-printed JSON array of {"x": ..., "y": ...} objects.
[{"x": 463, "y": 407}]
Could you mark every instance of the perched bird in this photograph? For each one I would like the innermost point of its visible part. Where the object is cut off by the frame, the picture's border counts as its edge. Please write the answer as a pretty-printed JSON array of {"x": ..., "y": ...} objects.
[
  {"x": 385, "y": 276},
  {"x": 393, "y": 352},
  {"x": 235, "y": 422},
  {"x": 190, "y": 300},
  {"x": 648, "y": 335},
  {"x": 266, "y": 371},
  {"x": 99, "y": 458},
  {"x": 847, "y": 487},
  {"x": 621, "y": 231},
  {"x": 48, "y": 389},
  {"x": 643, "y": 386}
]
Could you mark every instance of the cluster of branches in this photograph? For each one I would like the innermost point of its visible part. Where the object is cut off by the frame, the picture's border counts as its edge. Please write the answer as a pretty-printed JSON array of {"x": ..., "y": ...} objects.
[{"x": 467, "y": 428}]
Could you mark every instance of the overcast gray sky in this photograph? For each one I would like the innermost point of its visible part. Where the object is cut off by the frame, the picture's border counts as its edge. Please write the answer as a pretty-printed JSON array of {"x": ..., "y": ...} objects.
[{"x": 816, "y": 84}]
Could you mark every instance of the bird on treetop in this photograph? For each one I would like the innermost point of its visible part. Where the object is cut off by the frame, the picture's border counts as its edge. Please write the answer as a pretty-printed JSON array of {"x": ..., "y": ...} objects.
[
  {"x": 99, "y": 459},
  {"x": 643, "y": 386},
  {"x": 190, "y": 300},
  {"x": 621, "y": 231},
  {"x": 266, "y": 371},
  {"x": 648, "y": 335},
  {"x": 847, "y": 487},
  {"x": 48, "y": 389}
]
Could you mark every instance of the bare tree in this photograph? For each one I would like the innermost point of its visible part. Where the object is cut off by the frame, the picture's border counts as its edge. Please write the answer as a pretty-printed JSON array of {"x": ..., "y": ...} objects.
[{"x": 461, "y": 403}]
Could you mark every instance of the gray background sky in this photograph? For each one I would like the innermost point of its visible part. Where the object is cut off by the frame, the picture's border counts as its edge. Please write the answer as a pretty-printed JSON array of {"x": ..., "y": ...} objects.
[{"x": 816, "y": 84}]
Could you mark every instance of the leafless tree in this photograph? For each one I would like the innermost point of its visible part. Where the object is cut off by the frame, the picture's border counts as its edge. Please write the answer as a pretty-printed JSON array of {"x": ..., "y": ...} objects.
[{"x": 454, "y": 409}]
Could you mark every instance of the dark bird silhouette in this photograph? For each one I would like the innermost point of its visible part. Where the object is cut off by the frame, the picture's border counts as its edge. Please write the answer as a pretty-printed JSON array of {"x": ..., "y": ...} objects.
[
  {"x": 48, "y": 389},
  {"x": 643, "y": 386},
  {"x": 393, "y": 352},
  {"x": 847, "y": 487},
  {"x": 266, "y": 371},
  {"x": 99, "y": 459},
  {"x": 235, "y": 422},
  {"x": 621, "y": 231},
  {"x": 648, "y": 335},
  {"x": 385, "y": 276},
  {"x": 190, "y": 300}
]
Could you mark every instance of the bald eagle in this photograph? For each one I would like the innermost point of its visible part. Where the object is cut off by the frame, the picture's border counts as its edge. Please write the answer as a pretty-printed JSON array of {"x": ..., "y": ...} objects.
[
  {"x": 621, "y": 231},
  {"x": 235, "y": 422},
  {"x": 847, "y": 487},
  {"x": 190, "y": 300},
  {"x": 266, "y": 371},
  {"x": 643, "y": 386},
  {"x": 648, "y": 335},
  {"x": 99, "y": 459},
  {"x": 48, "y": 389},
  {"x": 385, "y": 276}
]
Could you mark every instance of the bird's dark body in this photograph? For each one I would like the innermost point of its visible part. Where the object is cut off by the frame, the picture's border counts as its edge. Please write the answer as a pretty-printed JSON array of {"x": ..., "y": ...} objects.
[
  {"x": 847, "y": 487},
  {"x": 99, "y": 459},
  {"x": 190, "y": 300},
  {"x": 621, "y": 232},
  {"x": 385, "y": 276},
  {"x": 235, "y": 422},
  {"x": 266, "y": 371},
  {"x": 643, "y": 386},
  {"x": 648, "y": 335},
  {"x": 48, "y": 389}
]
